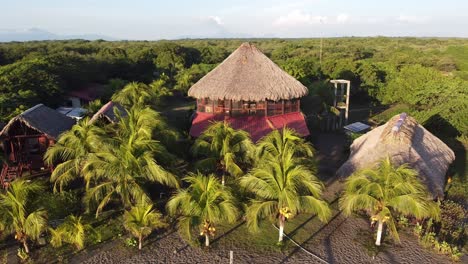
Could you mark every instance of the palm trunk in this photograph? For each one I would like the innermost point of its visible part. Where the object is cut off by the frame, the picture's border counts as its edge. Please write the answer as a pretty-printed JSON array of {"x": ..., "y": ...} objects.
[
  {"x": 25, "y": 244},
  {"x": 281, "y": 228},
  {"x": 379, "y": 233},
  {"x": 140, "y": 240},
  {"x": 207, "y": 240},
  {"x": 222, "y": 179}
]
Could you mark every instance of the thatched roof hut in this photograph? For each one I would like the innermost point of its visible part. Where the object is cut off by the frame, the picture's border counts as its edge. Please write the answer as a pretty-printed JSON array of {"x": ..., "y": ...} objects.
[
  {"x": 247, "y": 74},
  {"x": 42, "y": 119},
  {"x": 404, "y": 141},
  {"x": 107, "y": 112}
]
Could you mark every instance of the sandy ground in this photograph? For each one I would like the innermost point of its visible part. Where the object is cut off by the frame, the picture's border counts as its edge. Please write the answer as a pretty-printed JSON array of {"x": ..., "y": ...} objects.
[{"x": 336, "y": 243}]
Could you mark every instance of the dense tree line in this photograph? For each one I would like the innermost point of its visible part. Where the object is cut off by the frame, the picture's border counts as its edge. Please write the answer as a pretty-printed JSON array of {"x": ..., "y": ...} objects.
[{"x": 427, "y": 75}]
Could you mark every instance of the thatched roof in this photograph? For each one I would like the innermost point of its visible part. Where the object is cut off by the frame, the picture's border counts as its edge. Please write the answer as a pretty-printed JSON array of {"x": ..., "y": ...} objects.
[
  {"x": 107, "y": 112},
  {"x": 247, "y": 74},
  {"x": 42, "y": 119},
  {"x": 404, "y": 141}
]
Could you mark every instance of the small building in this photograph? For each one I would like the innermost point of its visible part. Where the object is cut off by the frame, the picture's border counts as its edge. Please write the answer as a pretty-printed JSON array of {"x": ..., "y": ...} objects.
[
  {"x": 26, "y": 138},
  {"x": 108, "y": 112},
  {"x": 250, "y": 92},
  {"x": 81, "y": 97},
  {"x": 404, "y": 141},
  {"x": 75, "y": 113}
]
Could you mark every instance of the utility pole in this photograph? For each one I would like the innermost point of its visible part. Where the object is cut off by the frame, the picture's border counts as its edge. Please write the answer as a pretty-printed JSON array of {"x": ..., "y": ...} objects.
[{"x": 321, "y": 43}]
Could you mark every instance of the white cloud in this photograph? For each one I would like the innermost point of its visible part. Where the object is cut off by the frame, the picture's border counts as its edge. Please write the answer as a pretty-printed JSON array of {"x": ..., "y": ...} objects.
[
  {"x": 216, "y": 19},
  {"x": 342, "y": 18},
  {"x": 298, "y": 17},
  {"x": 412, "y": 19}
]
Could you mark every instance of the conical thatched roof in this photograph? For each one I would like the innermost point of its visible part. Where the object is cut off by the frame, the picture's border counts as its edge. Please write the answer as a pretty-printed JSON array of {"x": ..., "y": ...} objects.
[
  {"x": 404, "y": 141},
  {"x": 247, "y": 74},
  {"x": 42, "y": 119}
]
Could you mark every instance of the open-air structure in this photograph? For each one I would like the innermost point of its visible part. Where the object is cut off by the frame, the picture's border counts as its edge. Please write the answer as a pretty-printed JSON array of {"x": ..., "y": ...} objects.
[
  {"x": 26, "y": 138},
  {"x": 404, "y": 141},
  {"x": 250, "y": 92}
]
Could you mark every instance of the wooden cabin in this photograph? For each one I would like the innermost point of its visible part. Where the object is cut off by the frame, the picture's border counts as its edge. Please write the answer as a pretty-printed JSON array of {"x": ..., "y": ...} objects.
[
  {"x": 252, "y": 93},
  {"x": 26, "y": 138}
]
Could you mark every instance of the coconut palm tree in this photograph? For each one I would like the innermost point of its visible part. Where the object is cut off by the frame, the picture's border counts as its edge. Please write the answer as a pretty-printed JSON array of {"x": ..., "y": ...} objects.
[
  {"x": 134, "y": 93},
  {"x": 283, "y": 188},
  {"x": 204, "y": 204},
  {"x": 386, "y": 191},
  {"x": 122, "y": 166},
  {"x": 16, "y": 216},
  {"x": 224, "y": 149},
  {"x": 277, "y": 143},
  {"x": 72, "y": 149},
  {"x": 141, "y": 220},
  {"x": 71, "y": 231}
]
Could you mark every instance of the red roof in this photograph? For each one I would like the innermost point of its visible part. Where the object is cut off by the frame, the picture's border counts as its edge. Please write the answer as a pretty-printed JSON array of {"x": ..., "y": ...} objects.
[
  {"x": 256, "y": 126},
  {"x": 88, "y": 93},
  {"x": 295, "y": 121}
]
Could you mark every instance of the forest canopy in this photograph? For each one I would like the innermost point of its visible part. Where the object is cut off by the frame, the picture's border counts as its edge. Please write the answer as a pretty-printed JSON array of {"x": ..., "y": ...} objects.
[{"x": 428, "y": 76}]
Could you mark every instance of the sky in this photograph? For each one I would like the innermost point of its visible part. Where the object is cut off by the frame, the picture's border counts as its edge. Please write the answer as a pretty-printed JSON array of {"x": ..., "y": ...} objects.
[{"x": 172, "y": 19}]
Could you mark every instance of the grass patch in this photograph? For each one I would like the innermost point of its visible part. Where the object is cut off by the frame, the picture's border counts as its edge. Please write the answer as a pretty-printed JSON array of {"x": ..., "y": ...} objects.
[
  {"x": 384, "y": 116},
  {"x": 301, "y": 228}
]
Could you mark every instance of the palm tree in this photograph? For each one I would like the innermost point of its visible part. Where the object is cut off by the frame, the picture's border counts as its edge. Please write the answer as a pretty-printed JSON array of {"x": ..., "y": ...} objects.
[
  {"x": 386, "y": 191},
  {"x": 277, "y": 143},
  {"x": 72, "y": 149},
  {"x": 282, "y": 185},
  {"x": 121, "y": 168},
  {"x": 15, "y": 216},
  {"x": 134, "y": 93},
  {"x": 224, "y": 149},
  {"x": 141, "y": 220},
  {"x": 204, "y": 204},
  {"x": 71, "y": 231}
]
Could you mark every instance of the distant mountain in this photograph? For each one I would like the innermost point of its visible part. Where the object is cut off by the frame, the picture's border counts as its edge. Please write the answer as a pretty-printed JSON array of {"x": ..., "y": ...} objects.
[{"x": 40, "y": 34}]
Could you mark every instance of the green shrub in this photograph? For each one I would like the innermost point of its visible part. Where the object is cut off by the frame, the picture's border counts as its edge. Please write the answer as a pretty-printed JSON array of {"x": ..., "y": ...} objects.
[
  {"x": 59, "y": 205},
  {"x": 457, "y": 190},
  {"x": 453, "y": 226}
]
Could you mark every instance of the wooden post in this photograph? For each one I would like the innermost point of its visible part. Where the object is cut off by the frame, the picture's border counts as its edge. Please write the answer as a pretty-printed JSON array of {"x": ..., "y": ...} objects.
[
  {"x": 12, "y": 149},
  {"x": 231, "y": 257},
  {"x": 266, "y": 107},
  {"x": 282, "y": 107},
  {"x": 348, "y": 90},
  {"x": 334, "y": 99}
]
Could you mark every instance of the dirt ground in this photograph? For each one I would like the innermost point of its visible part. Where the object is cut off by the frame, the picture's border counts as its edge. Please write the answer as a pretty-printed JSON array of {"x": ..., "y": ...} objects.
[{"x": 336, "y": 243}]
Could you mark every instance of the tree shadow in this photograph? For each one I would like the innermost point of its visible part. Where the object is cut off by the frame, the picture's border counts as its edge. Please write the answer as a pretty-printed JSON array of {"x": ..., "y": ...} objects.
[
  {"x": 313, "y": 236},
  {"x": 228, "y": 232},
  {"x": 444, "y": 130}
]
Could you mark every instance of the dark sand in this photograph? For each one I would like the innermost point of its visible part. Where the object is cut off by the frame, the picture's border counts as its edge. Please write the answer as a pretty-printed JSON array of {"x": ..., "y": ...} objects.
[{"x": 336, "y": 243}]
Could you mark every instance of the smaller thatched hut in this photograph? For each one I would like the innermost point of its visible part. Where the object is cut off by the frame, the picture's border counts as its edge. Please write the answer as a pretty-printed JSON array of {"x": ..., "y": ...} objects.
[
  {"x": 404, "y": 141},
  {"x": 108, "y": 112},
  {"x": 26, "y": 138}
]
